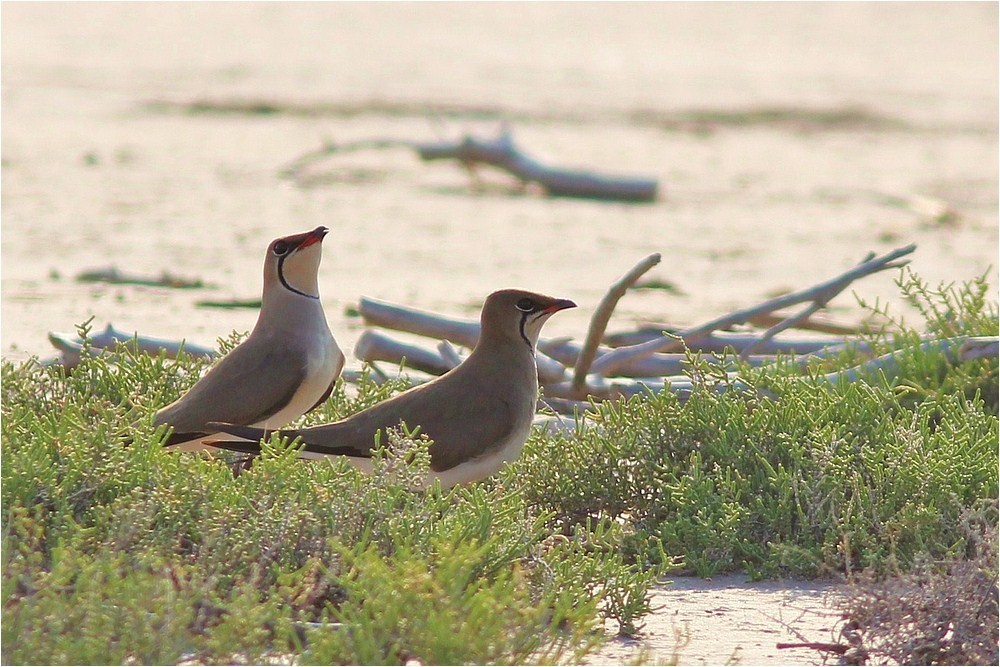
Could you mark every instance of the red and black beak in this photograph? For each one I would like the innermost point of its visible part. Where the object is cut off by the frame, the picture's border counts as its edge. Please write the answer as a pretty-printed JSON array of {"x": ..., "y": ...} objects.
[
  {"x": 557, "y": 305},
  {"x": 309, "y": 238}
]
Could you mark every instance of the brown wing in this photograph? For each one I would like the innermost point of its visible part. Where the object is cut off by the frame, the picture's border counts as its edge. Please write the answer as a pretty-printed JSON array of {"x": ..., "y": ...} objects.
[
  {"x": 461, "y": 425},
  {"x": 248, "y": 385}
]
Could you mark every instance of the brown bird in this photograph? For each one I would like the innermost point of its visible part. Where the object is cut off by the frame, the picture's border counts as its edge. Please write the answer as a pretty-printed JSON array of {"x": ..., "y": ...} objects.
[
  {"x": 478, "y": 414},
  {"x": 285, "y": 368}
]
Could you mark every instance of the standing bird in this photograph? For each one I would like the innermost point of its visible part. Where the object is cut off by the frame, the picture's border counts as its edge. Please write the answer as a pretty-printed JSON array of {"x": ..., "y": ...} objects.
[
  {"x": 285, "y": 368},
  {"x": 478, "y": 414}
]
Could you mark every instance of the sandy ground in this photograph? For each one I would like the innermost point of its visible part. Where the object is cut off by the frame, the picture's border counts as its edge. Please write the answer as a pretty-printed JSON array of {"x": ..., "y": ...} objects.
[
  {"x": 730, "y": 620},
  {"x": 882, "y": 107}
]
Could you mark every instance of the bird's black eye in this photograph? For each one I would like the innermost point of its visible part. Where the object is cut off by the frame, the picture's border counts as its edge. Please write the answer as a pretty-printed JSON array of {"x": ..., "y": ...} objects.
[
  {"x": 280, "y": 248},
  {"x": 525, "y": 305}
]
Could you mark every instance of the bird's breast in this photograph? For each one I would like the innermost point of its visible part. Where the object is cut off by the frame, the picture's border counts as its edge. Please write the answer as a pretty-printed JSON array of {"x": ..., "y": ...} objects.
[{"x": 323, "y": 363}]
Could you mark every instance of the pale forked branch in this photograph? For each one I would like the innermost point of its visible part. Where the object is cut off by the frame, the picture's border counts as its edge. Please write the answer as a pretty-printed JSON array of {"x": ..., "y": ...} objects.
[
  {"x": 821, "y": 293},
  {"x": 503, "y": 154},
  {"x": 556, "y": 181},
  {"x": 787, "y": 323},
  {"x": 602, "y": 315}
]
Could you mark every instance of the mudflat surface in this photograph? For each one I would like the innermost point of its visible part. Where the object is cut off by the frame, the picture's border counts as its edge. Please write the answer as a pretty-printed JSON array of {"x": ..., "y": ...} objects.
[
  {"x": 789, "y": 140},
  {"x": 731, "y": 620}
]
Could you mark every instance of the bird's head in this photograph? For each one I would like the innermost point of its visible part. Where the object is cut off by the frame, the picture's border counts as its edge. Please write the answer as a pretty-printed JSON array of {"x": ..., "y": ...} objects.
[
  {"x": 292, "y": 264},
  {"x": 517, "y": 315}
]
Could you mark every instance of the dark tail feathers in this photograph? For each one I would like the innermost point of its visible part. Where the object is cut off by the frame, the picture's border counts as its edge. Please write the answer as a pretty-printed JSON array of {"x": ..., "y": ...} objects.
[
  {"x": 249, "y": 432},
  {"x": 243, "y": 446}
]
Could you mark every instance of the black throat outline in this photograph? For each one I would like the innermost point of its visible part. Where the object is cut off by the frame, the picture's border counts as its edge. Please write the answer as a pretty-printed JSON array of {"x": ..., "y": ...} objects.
[
  {"x": 524, "y": 320},
  {"x": 281, "y": 277}
]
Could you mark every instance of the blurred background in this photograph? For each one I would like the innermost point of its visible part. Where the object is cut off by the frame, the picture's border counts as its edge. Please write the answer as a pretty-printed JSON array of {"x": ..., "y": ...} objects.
[{"x": 788, "y": 140}]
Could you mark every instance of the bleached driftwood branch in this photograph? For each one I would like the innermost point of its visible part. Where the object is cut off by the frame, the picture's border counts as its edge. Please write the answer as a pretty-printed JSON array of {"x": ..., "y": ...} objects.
[
  {"x": 672, "y": 363},
  {"x": 557, "y": 182},
  {"x": 601, "y": 317},
  {"x": 956, "y": 351},
  {"x": 821, "y": 293},
  {"x": 376, "y": 346},
  {"x": 719, "y": 341},
  {"x": 464, "y": 332},
  {"x": 71, "y": 346},
  {"x": 503, "y": 154}
]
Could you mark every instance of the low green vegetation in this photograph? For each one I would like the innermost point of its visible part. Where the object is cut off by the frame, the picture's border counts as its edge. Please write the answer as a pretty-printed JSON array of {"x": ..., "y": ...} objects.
[{"x": 116, "y": 551}]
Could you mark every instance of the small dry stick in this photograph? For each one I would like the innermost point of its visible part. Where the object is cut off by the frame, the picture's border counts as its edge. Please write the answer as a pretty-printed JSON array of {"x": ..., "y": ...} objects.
[
  {"x": 839, "y": 649},
  {"x": 822, "y": 292},
  {"x": 601, "y": 317}
]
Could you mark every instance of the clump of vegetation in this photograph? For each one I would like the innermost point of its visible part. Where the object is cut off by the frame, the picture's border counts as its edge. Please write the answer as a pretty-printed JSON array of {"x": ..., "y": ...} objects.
[
  {"x": 115, "y": 550},
  {"x": 807, "y": 478},
  {"x": 938, "y": 613}
]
